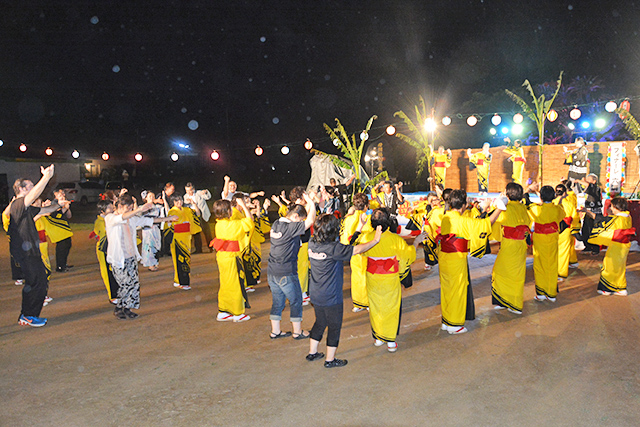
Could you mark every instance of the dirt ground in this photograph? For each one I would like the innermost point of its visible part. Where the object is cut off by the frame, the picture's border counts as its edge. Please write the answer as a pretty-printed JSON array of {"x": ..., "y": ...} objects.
[{"x": 569, "y": 363}]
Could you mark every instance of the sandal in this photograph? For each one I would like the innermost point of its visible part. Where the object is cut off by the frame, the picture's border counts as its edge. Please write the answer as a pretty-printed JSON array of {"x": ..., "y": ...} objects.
[
  {"x": 301, "y": 336},
  {"x": 279, "y": 335}
]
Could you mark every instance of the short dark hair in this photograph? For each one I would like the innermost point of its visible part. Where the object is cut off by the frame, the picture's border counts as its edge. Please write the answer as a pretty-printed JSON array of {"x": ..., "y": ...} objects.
[
  {"x": 620, "y": 203},
  {"x": 174, "y": 198},
  {"x": 20, "y": 183},
  {"x": 297, "y": 209},
  {"x": 381, "y": 217},
  {"x": 221, "y": 209},
  {"x": 168, "y": 185},
  {"x": 188, "y": 185},
  {"x": 360, "y": 201},
  {"x": 560, "y": 190},
  {"x": 326, "y": 228},
  {"x": 296, "y": 193},
  {"x": 457, "y": 199},
  {"x": 514, "y": 191},
  {"x": 125, "y": 200},
  {"x": 547, "y": 193},
  {"x": 103, "y": 205}
]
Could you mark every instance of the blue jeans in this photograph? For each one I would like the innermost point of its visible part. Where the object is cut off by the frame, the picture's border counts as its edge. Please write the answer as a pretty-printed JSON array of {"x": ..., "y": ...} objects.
[{"x": 285, "y": 288}]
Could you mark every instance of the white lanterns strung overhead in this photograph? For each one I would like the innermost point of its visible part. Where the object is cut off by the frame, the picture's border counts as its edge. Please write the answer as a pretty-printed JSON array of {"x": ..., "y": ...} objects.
[
  {"x": 496, "y": 119},
  {"x": 517, "y": 118},
  {"x": 575, "y": 114},
  {"x": 446, "y": 120},
  {"x": 472, "y": 120},
  {"x": 284, "y": 150},
  {"x": 610, "y": 106}
]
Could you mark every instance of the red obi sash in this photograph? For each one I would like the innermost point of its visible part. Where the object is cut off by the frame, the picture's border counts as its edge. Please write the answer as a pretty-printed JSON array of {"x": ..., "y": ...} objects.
[
  {"x": 480, "y": 162},
  {"x": 548, "y": 228},
  {"x": 515, "y": 233},
  {"x": 222, "y": 245},
  {"x": 439, "y": 165},
  {"x": 623, "y": 236},
  {"x": 182, "y": 227},
  {"x": 450, "y": 243},
  {"x": 568, "y": 220},
  {"x": 382, "y": 266},
  {"x": 43, "y": 236},
  {"x": 519, "y": 159}
]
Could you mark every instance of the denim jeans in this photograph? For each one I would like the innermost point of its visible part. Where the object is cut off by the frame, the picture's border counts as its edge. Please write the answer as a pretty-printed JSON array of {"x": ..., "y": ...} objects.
[{"x": 285, "y": 288}]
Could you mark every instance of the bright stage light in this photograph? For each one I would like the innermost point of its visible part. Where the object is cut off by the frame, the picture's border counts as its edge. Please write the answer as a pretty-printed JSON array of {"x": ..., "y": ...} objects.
[
  {"x": 429, "y": 125},
  {"x": 284, "y": 150},
  {"x": 105, "y": 156},
  {"x": 516, "y": 129},
  {"x": 364, "y": 135},
  {"x": 600, "y": 123},
  {"x": 493, "y": 131},
  {"x": 446, "y": 120},
  {"x": 585, "y": 125},
  {"x": 48, "y": 151},
  {"x": 575, "y": 114},
  {"x": 23, "y": 147},
  {"x": 517, "y": 118},
  {"x": 496, "y": 119},
  {"x": 610, "y": 106},
  {"x": 75, "y": 154},
  {"x": 391, "y": 130},
  {"x": 259, "y": 151},
  {"x": 174, "y": 157},
  {"x": 571, "y": 126},
  {"x": 215, "y": 155},
  {"x": 308, "y": 144},
  {"x": 138, "y": 157},
  {"x": 552, "y": 115},
  {"x": 504, "y": 130},
  {"x": 472, "y": 120}
]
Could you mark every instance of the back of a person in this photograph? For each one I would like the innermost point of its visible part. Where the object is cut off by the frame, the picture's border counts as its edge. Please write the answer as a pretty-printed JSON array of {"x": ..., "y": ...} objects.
[
  {"x": 285, "y": 245},
  {"x": 326, "y": 271}
]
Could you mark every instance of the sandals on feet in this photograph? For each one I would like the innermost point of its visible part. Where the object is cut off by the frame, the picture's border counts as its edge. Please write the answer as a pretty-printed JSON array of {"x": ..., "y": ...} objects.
[
  {"x": 300, "y": 336},
  {"x": 279, "y": 335}
]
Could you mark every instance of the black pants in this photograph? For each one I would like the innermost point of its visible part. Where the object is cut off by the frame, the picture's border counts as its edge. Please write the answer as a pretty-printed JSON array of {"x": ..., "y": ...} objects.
[
  {"x": 330, "y": 317},
  {"x": 35, "y": 285},
  {"x": 197, "y": 239},
  {"x": 587, "y": 226},
  {"x": 16, "y": 271},
  {"x": 62, "y": 252}
]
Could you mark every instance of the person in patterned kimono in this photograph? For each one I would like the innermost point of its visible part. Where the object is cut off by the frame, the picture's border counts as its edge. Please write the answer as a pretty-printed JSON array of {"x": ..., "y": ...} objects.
[
  {"x": 481, "y": 160},
  {"x": 183, "y": 228},
  {"x": 105, "y": 207}
]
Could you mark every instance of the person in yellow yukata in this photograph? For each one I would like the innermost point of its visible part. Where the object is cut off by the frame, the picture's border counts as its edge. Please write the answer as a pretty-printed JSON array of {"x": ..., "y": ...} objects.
[
  {"x": 566, "y": 242},
  {"x": 352, "y": 226},
  {"x": 516, "y": 156},
  {"x": 547, "y": 221},
  {"x": 459, "y": 236},
  {"x": 387, "y": 262},
  {"x": 229, "y": 231},
  {"x": 252, "y": 254},
  {"x": 441, "y": 160},
  {"x": 41, "y": 226},
  {"x": 105, "y": 207},
  {"x": 182, "y": 229},
  {"x": 481, "y": 160},
  {"x": 615, "y": 232},
  {"x": 431, "y": 226},
  {"x": 509, "y": 270},
  {"x": 282, "y": 205},
  {"x": 575, "y": 224},
  {"x": 59, "y": 231}
]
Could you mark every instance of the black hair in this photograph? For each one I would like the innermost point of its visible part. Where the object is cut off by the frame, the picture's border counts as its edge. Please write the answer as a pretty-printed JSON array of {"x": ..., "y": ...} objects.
[
  {"x": 620, "y": 203},
  {"x": 221, "y": 209},
  {"x": 547, "y": 193},
  {"x": 296, "y": 193},
  {"x": 514, "y": 191},
  {"x": 560, "y": 190},
  {"x": 103, "y": 205},
  {"x": 125, "y": 200},
  {"x": 457, "y": 199},
  {"x": 326, "y": 229},
  {"x": 360, "y": 201},
  {"x": 298, "y": 210},
  {"x": 380, "y": 217},
  {"x": 174, "y": 198}
]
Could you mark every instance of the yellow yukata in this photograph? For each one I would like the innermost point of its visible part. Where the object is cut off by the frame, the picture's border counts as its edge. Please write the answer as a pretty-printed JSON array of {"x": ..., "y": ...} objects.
[
  {"x": 41, "y": 226},
  {"x": 510, "y": 268},
  {"x": 615, "y": 233},
  {"x": 303, "y": 262},
  {"x": 252, "y": 254},
  {"x": 373, "y": 202},
  {"x": 181, "y": 243},
  {"x": 229, "y": 233},
  {"x": 440, "y": 164},
  {"x": 101, "y": 252},
  {"x": 358, "y": 262},
  {"x": 459, "y": 236},
  {"x": 386, "y": 263},
  {"x": 566, "y": 241},
  {"x": 283, "y": 210},
  {"x": 546, "y": 219},
  {"x": 575, "y": 228},
  {"x": 431, "y": 227},
  {"x": 57, "y": 227},
  {"x": 516, "y": 155},
  {"x": 482, "y": 162}
]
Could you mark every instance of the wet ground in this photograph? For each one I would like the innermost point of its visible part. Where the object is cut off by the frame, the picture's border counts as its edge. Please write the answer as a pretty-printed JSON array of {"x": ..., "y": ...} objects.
[{"x": 569, "y": 363}]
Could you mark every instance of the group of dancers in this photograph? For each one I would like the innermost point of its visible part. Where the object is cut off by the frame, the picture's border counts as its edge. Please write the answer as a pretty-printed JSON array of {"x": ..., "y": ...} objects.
[{"x": 308, "y": 249}]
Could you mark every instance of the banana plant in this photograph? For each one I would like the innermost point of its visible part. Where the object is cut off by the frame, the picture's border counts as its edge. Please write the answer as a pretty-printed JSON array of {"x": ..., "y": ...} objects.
[{"x": 538, "y": 113}]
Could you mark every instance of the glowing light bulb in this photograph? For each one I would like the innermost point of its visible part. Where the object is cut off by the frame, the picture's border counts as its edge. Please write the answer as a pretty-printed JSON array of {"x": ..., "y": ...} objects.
[
  {"x": 75, "y": 154},
  {"x": 391, "y": 130},
  {"x": 259, "y": 151},
  {"x": 308, "y": 144},
  {"x": 138, "y": 157},
  {"x": 215, "y": 155},
  {"x": 48, "y": 151},
  {"x": 446, "y": 120},
  {"x": 575, "y": 114},
  {"x": 284, "y": 150},
  {"x": 105, "y": 156},
  {"x": 517, "y": 118},
  {"x": 472, "y": 120},
  {"x": 174, "y": 157},
  {"x": 610, "y": 106},
  {"x": 552, "y": 115},
  {"x": 23, "y": 147},
  {"x": 496, "y": 119}
]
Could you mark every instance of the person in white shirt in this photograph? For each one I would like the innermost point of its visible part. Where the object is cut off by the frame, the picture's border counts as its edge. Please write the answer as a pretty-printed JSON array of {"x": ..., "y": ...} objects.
[
  {"x": 198, "y": 199},
  {"x": 122, "y": 252}
]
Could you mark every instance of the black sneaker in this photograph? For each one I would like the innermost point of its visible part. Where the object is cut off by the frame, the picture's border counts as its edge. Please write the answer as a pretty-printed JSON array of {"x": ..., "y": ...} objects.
[
  {"x": 129, "y": 314},
  {"x": 314, "y": 356},
  {"x": 119, "y": 313},
  {"x": 335, "y": 363}
]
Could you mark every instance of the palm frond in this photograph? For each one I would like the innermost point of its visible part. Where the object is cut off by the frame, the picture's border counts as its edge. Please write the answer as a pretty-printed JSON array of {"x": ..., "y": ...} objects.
[
  {"x": 334, "y": 159},
  {"x": 522, "y": 103},
  {"x": 407, "y": 121},
  {"x": 630, "y": 122},
  {"x": 409, "y": 141}
]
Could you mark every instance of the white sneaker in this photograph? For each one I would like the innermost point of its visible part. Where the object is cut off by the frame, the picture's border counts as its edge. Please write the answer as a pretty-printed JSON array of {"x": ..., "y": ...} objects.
[
  {"x": 573, "y": 265},
  {"x": 514, "y": 311},
  {"x": 224, "y": 317},
  {"x": 443, "y": 327},
  {"x": 250, "y": 289},
  {"x": 427, "y": 267},
  {"x": 241, "y": 318},
  {"x": 378, "y": 343},
  {"x": 551, "y": 299},
  {"x": 19, "y": 282},
  {"x": 392, "y": 346},
  {"x": 185, "y": 287},
  {"x": 455, "y": 330},
  {"x": 176, "y": 285},
  {"x": 540, "y": 298},
  {"x": 499, "y": 307},
  {"x": 603, "y": 292},
  {"x": 306, "y": 300},
  {"x": 47, "y": 300},
  {"x": 357, "y": 309},
  {"x": 622, "y": 293}
]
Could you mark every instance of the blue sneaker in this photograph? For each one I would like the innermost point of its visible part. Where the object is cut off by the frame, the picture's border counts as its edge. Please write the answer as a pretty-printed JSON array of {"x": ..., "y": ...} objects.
[{"x": 34, "y": 321}]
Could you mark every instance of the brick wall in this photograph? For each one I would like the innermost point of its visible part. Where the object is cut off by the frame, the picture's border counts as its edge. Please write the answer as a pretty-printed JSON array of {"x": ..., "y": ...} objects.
[{"x": 459, "y": 175}]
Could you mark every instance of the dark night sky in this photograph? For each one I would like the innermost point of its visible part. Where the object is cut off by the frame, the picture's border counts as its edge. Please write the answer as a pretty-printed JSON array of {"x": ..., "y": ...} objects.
[{"x": 128, "y": 76}]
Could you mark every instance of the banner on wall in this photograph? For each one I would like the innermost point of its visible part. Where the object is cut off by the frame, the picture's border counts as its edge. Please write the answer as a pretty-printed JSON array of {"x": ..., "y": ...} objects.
[{"x": 616, "y": 164}]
